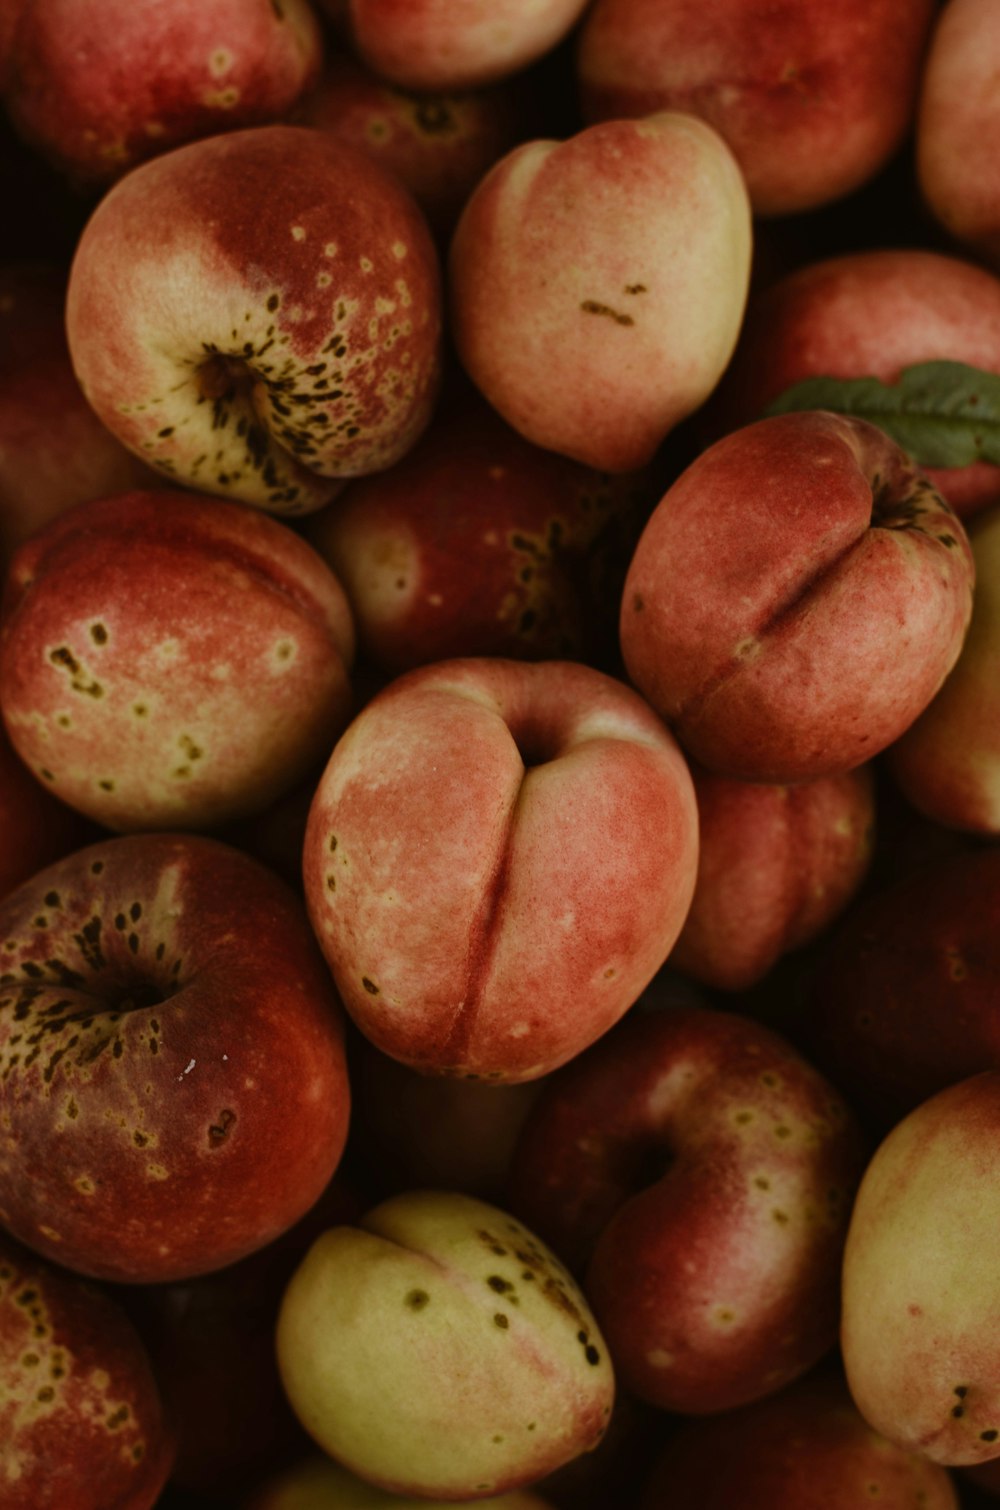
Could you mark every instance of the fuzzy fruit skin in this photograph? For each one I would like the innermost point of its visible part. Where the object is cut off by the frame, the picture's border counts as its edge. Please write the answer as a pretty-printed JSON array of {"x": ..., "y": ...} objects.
[
  {"x": 776, "y": 864},
  {"x": 479, "y": 543},
  {"x": 456, "y": 44},
  {"x": 318, "y": 1483},
  {"x": 257, "y": 315},
  {"x": 957, "y": 116},
  {"x": 796, "y": 599},
  {"x": 699, "y": 1172},
  {"x": 948, "y": 762},
  {"x": 804, "y": 1449},
  {"x": 867, "y": 314},
  {"x": 498, "y": 859},
  {"x": 811, "y": 104},
  {"x": 920, "y": 1279},
  {"x": 174, "y": 1090},
  {"x": 618, "y": 258},
  {"x": 82, "y": 1426},
  {"x": 438, "y": 1286},
  {"x": 905, "y": 1000},
  {"x": 100, "y": 85},
  {"x": 171, "y": 661}
]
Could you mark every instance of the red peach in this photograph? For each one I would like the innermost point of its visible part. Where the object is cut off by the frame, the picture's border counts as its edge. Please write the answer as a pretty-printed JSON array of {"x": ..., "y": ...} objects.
[
  {"x": 776, "y": 864},
  {"x": 498, "y": 859},
  {"x": 796, "y": 599},
  {"x": 82, "y": 1425},
  {"x": 169, "y": 660},
  {"x": 99, "y": 85},
  {"x": 173, "y": 1092},
  {"x": 480, "y": 543},
  {"x": 868, "y": 314},
  {"x": 812, "y": 104},
  {"x": 439, "y": 145},
  {"x": 258, "y": 314},
  {"x": 807, "y": 1448},
  {"x": 699, "y": 1173}
]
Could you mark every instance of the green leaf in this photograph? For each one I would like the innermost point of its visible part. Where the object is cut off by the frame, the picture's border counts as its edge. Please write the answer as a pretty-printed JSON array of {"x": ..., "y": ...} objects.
[{"x": 944, "y": 414}]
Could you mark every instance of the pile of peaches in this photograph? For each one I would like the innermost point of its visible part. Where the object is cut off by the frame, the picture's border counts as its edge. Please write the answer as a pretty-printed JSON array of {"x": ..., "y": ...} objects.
[{"x": 500, "y": 766}]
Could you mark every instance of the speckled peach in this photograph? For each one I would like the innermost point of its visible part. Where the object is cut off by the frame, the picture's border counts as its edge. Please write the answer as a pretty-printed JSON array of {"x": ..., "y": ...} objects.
[
  {"x": 438, "y": 1349},
  {"x": 457, "y": 44},
  {"x": 868, "y": 314},
  {"x": 597, "y": 284},
  {"x": 82, "y": 1426},
  {"x": 318, "y": 1483},
  {"x": 480, "y": 543},
  {"x": 813, "y": 103},
  {"x": 919, "y": 1328},
  {"x": 498, "y": 859},
  {"x": 257, "y": 315},
  {"x": 438, "y": 144},
  {"x": 776, "y": 864},
  {"x": 796, "y": 599},
  {"x": 807, "y": 1448},
  {"x": 699, "y": 1172},
  {"x": 948, "y": 762},
  {"x": 956, "y": 118},
  {"x": 173, "y": 1091},
  {"x": 99, "y": 85},
  {"x": 169, "y": 661}
]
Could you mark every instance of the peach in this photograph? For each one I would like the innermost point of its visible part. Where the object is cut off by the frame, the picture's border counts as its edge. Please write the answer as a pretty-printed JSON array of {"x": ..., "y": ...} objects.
[
  {"x": 498, "y": 859},
  {"x": 867, "y": 314},
  {"x": 807, "y": 1448},
  {"x": 480, "y": 543},
  {"x": 904, "y": 999},
  {"x": 796, "y": 599},
  {"x": 699, "y": 1173},
  {"x": 776, "y": 864},
  {"x": 619, "y": 260},
  {"x": 54, "y": 451},
  {"x": 173, "y": 1090},
  {"x": 439, "y": 1350},
  {"x": 99, "y": 85},
  {"x": 812, "y": 104},
  {"x": 919, "y": 1326},
  {"x": 133, "y": 630},
  {"x": 957, "y": 115},
  {"x": 948, "y": 762},
  {"x": 82, "y": 1425},
  {"x": 457, "y": 44},
  {"x": 318, "y": 1483},
  {"x": 257, "y": 315},
  {"x": 438, "y": 144}
]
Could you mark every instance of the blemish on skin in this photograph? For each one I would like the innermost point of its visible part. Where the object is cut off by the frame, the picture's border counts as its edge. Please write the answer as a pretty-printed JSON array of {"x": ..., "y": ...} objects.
[
  {"x": 366, "y": 264},
  {"x": 399, "y": 250},
  {"x": 187, "y": 1068},
  {"x": 500, "y": 1320},
  {"x": 99, "y": 634},
  {"x": 298, "y": 233},
  {"x": 219, "y": 62},
  {"x": 595, "y": 307},
  {"x": 416, "y": 1300},
  {"x": 370, "y": 986},
  {"x": 989, "y": 1436}
]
